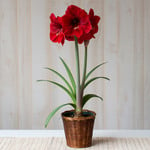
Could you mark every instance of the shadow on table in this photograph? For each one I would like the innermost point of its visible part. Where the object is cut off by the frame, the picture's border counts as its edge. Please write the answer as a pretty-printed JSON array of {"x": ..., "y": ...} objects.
[{"x": 104, "y": 140}]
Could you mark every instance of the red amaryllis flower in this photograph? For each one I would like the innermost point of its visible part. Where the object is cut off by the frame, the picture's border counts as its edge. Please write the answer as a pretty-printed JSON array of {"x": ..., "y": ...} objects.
[
  {"x": 75, "y": 22},
  {"x": 56, "y": 30},
  {"x": 94, "y": 22}
]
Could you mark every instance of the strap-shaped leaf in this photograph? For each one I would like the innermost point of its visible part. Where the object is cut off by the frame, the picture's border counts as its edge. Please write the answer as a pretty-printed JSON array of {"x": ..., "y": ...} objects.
[
  {"x": 54, "y": 111},
  {"x": 87, "y": 97},
  {"x": 69, "y": 74},
  {"x": 57, "y": 73},
  {"x": 92, "y": 70},
  {"x": 93, "y": 79},
  {"x": 62, "y": 87}
]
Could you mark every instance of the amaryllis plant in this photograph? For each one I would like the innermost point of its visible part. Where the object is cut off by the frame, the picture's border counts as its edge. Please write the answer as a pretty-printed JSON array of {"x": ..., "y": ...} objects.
[{"x": 79, "y": 26}]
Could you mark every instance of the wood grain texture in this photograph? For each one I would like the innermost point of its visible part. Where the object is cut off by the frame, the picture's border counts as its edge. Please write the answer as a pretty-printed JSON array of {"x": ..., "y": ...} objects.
[
  {"x": 8, "y": 65},
  {"x": 139, "y": 65},
  {"x": 25, "y": 49},
  {"x": 146, "y": 63},
  {"x": 126, "y": 65},
  {"x": 111, "y": 14},
  {"x": 60, "y": 143},
  {"x": 24, "y": 54}
]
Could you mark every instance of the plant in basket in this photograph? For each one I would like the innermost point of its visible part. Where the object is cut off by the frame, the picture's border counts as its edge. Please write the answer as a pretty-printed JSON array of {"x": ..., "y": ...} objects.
[{"x": 79, "y": 26}]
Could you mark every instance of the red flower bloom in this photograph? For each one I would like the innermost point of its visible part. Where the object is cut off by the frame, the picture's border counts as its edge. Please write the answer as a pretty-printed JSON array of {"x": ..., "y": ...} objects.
[
  {"x": 94, "y": 22},
  {"x": 75, "y": 22},
  {"x": 56, "y": 30}
]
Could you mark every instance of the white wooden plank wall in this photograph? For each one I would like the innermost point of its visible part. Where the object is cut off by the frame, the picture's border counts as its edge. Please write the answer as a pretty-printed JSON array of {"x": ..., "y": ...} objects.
[{"x": 123, "y": 40}]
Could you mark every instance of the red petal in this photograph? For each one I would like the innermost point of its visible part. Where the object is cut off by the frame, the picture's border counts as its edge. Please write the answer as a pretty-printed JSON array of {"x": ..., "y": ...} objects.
[
  {"x": 78, "y": 32},
  {"x": 71, "y": 29},
  {"x": 73, "y": 10},
  {"x": 61, "y": 38},
  {"x": 87, "y": 27},
  {"x": 91, "y": 12},
  {"x": 96, "y": 19},
  {"x": 52, "y": 17},
  {"x": 95, "y": 30},
  {"x": 53, "y": 37},
  {"x": 54, "y": 28},
  {"x": 57, "y": 38}
]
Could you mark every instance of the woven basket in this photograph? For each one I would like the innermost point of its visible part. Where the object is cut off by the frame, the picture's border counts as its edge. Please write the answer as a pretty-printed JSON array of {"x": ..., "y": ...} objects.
[{"x": 78, "y": 130}]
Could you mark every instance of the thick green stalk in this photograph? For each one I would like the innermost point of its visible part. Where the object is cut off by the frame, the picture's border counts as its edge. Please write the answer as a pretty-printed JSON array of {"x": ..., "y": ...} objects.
[
  {"x": 84, "y": 72},
  {"x": 78, "y": 91}
]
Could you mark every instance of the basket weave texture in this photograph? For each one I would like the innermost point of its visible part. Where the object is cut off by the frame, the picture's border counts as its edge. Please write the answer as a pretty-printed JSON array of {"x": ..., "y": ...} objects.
[{"x": 79, "y": 130}]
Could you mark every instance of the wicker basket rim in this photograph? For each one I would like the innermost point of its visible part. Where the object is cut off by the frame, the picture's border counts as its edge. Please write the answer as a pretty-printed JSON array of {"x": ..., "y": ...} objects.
[{"x": 79, "y": 118}]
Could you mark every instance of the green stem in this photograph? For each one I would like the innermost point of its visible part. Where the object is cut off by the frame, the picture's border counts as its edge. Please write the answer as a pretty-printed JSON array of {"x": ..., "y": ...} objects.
[
  {"x": 84, "y": 72},
  {"x": 78, "y": 92}
]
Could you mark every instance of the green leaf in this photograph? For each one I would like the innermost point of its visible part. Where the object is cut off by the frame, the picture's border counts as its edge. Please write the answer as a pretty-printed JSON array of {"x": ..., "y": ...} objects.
[
  {"x": 93, "y": 79},
  {"x": 87, "y": 97},
  {"x": 69, "y": 74},
  {"x": 54, "y": 111},
  {"x": 65, "y": 89},
  {"x": 89, "y": 73},
  {"x": 57, "y": 73}
]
